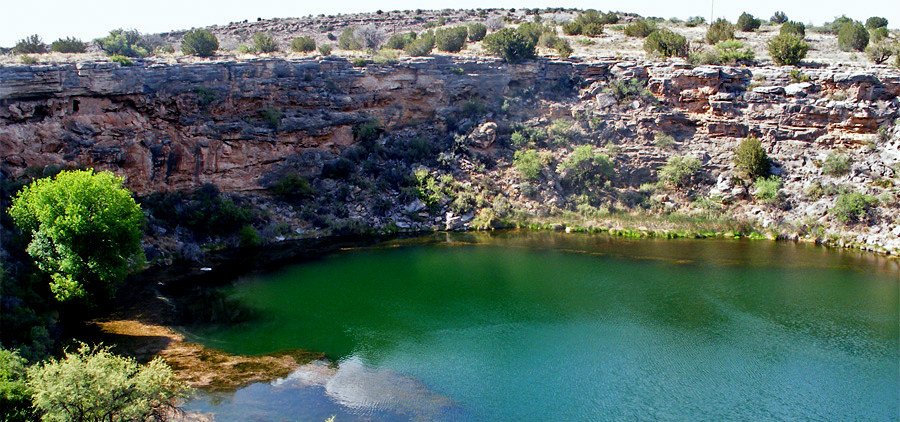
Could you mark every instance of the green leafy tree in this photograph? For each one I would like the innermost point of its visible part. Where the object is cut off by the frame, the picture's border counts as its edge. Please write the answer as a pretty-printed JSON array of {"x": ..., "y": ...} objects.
[
  {"x": 510, "y": 44},
  {"x": 93, "y": 384},
  {"x": 199, "y": 42},
  {"x": 751, "y": 160},
  {"x": 121, "y": 42},
  {"x": 15, "y": 397},
  {"x": 85, "y": 231}
]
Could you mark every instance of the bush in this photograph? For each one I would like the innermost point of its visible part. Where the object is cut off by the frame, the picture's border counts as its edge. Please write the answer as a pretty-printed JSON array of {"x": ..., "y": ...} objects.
[
  {"x": 84, "y": 229},
  {"x": 609, "y": 18},
  {"x": 678, "y": 171},
  {"x": 720, "y": 30},
  {"x": 881, "y": 51},
  {"x": 878, "y": 34},
  {"x": 400, "y": 41},
  {"x": 348, "y": 41},
  {"x": 733, "y": 52},
  {"x": 292, "y": 186},
  {"x": 628, "y": 89},
  {"x": 787, "y": 49},
  {"x": 367, "y": 131},
  {"x": 477, "y": 31},
  {"x": 31, "y": 44},
  {"x": 747, "y": 23},
  {"x": 585, "y": 166},
  {"x": 451, "y": 39},
  {"x": 571, "y": 28},
  {"x": 121, "y": 42},
  {"x": 561, "y": 131},
  {"x": 778, "y": 17},
  {"x": 29, "y": 60},
  {"x": 68, "y": 45},
  {"x": 199, "y": 42},
  {"x": 836, "y": 164},
  {"x": 303, "y": 45},
  {"x": 694, "y": 21},
  {"x": 509, "y": 44},
  {"x": 876, "y": 22},
  {"x": 264, "y": 43},
  {"x": 666, "y": 43},
  {"x": 249, "y": 237},
  {"x": 422, "y": 46},
  {"x": 768, "y": 190},
  {"x": 835, "y": 26},
  {"x": 92, "y": 384},
  {"x": 272, "y": 117},
  {"x": 853, "y": 207},
  {"x": 528, "y": 163},
  {"x": 120, "y": 59},
  {"x": 369, "y": 36},
  {"x": 796, "y": 28},
  {"x": 533, "y": 31},
  {"x": 15, "y": 397},
  {"x": 385, "y": 56},
  {"x": 563, "y": 48},
  {"x": 751, "y": 160},
  {"x": 853, "y": 36},
  {"x": 592, "y": 29},
  {"x": 325, "y": 50},
  {"x": 640, "y": 28}
]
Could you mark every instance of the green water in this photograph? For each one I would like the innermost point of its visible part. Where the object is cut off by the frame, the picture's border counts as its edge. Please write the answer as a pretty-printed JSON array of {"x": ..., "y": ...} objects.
[{"x": 573, "y": 327}]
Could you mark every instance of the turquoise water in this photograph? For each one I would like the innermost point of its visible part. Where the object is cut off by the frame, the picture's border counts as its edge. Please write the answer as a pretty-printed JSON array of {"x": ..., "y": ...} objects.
[{"x": 547, "y": 326}]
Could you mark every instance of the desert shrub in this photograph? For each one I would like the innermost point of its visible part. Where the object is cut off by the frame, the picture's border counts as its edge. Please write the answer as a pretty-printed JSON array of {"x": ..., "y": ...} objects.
[
  {"x": 563, "y": 48},
  {"x": 264, "y": 43},
  {"x": 385, "y": 56},
  {"x": 787, "y": 49},
  {"x": 29, "y": 60},
  {"x": 561, "y": 131},
  {"x": 494, "y": 23},
  {"x": 627, "y": 89},
  {"x": 120, "y": 59},
  {"x": 163, "y": 49},
  {"x": 592, "y": 29},
  {"x": 31, "y": 44},
  {"x": 547, "y": 40},
  {"x": 359, "y": 62},
  {"x": 879, "y": 52},
  {"x": 798, "y": 76},
  {"x": 585, "y": 166},
  {"x": 15, "y": 396},
  {"x": 477, "y": 31},
  {"x": 609, "y": 18},
  {"x": 533, "y": 31},
  {"x": 878, "y": 34},
  {"x": 400, "y": 41},
  {"x": 778, "y": 17},
  {"x": 694, "y": 21},
  {"x": 678, "y": 171},
  {"x": 528, "y": 163},
  {"x": 121, "y": 42},
  {"x": 666, "y": 44},
  {"x": 720, "y": 30},
  {"x": 93, "y": 384},
  {"x": 272, "y": 116},
  {"x": 640, "y": 28},
  {"x": 68, "y": 45},
  {"x": 876, "y": 22},
  {"x": 796, "y": 28},
  {"x": 661, "y": 140},
  {"x": 835, "y": 26},
  {"x": 571, "y": 28},
  {"x": 767, "y": 189},
  {"x": 853, "y": 207},
  {"x": 853, "y": 36},
  {"x": 733, "y": 52},
  {"x": 292, "y": 186},
  {"x": 348, "y": 41},
  {"x": 836, "y": 164},
  {"x": 751, "y": 160},
  {"x": 249, "y": 237},
  {"x": 422, "y": 46},
  {"x": 367, "y": 131},
  {"x": 451, "y": 39},
  {"x": 303, "y": 45},
  {"x": 747, "y": 23},
  {"x": 509, "y": 44},
  {"x": 369, "y": 36},
  {"x": 325, "y": 50},
  {"x": 199, "y": 42}
]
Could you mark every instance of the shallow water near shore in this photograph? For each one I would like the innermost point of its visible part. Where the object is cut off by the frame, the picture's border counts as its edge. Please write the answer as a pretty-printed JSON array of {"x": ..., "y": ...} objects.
[{"x": 538, "y": 326}]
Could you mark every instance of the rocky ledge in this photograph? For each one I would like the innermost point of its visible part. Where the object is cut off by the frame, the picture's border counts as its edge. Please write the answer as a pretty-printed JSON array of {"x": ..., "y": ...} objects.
[{"x": 244, "y": 125}]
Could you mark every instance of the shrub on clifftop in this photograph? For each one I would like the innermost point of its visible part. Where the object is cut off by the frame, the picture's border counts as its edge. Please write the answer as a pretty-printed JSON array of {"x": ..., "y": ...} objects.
[
  {"x": 746, "y": 22},
  {"x": 509, "y": 44},
  {"x": 666, "y": 43},
  {"x": 121, "y": 42},
  {"x": 853, "y": 36},
  {"x": 787, "y": 49},
  {"x": 303, "y": 45},
  {"x": 199, "y": 42},
  {"x": 68, "y": 45},
  {"x": 451, "y": 39},
  {"x": 31, "y": 44},
  {"x": 264, "y": 43},
  {"x": 720, "y": 30}
]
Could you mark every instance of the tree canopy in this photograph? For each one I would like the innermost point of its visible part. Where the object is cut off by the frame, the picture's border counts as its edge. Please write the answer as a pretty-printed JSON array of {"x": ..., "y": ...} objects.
[{"x": 84, "y": 228}]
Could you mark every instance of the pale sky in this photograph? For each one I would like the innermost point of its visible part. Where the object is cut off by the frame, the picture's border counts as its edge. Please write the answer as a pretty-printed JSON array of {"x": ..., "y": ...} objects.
[{"x": 89, "y": 19}]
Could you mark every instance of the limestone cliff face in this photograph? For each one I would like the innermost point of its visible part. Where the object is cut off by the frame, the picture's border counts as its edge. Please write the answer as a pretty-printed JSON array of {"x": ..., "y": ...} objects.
[{"x": 237, "y": 123}]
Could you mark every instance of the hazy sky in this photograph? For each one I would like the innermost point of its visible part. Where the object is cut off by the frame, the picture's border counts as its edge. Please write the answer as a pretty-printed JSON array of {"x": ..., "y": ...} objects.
[{"x": 89, "y": 19}]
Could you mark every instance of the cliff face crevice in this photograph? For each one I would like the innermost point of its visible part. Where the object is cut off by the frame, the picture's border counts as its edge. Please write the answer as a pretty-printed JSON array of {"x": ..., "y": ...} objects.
[{"x": 236, "y": 124}]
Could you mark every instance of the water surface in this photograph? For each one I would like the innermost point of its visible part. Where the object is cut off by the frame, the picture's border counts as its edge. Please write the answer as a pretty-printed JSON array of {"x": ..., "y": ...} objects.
[{"x": 546, "y": 326}]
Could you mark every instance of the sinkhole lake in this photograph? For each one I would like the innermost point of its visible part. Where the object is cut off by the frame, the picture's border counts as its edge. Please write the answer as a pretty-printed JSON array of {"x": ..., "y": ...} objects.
[{"x": 550, "y": 326}]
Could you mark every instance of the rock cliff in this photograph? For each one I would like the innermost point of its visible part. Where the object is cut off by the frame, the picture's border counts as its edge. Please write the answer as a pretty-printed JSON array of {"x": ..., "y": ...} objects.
[{"x": 241, "y": 125}]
